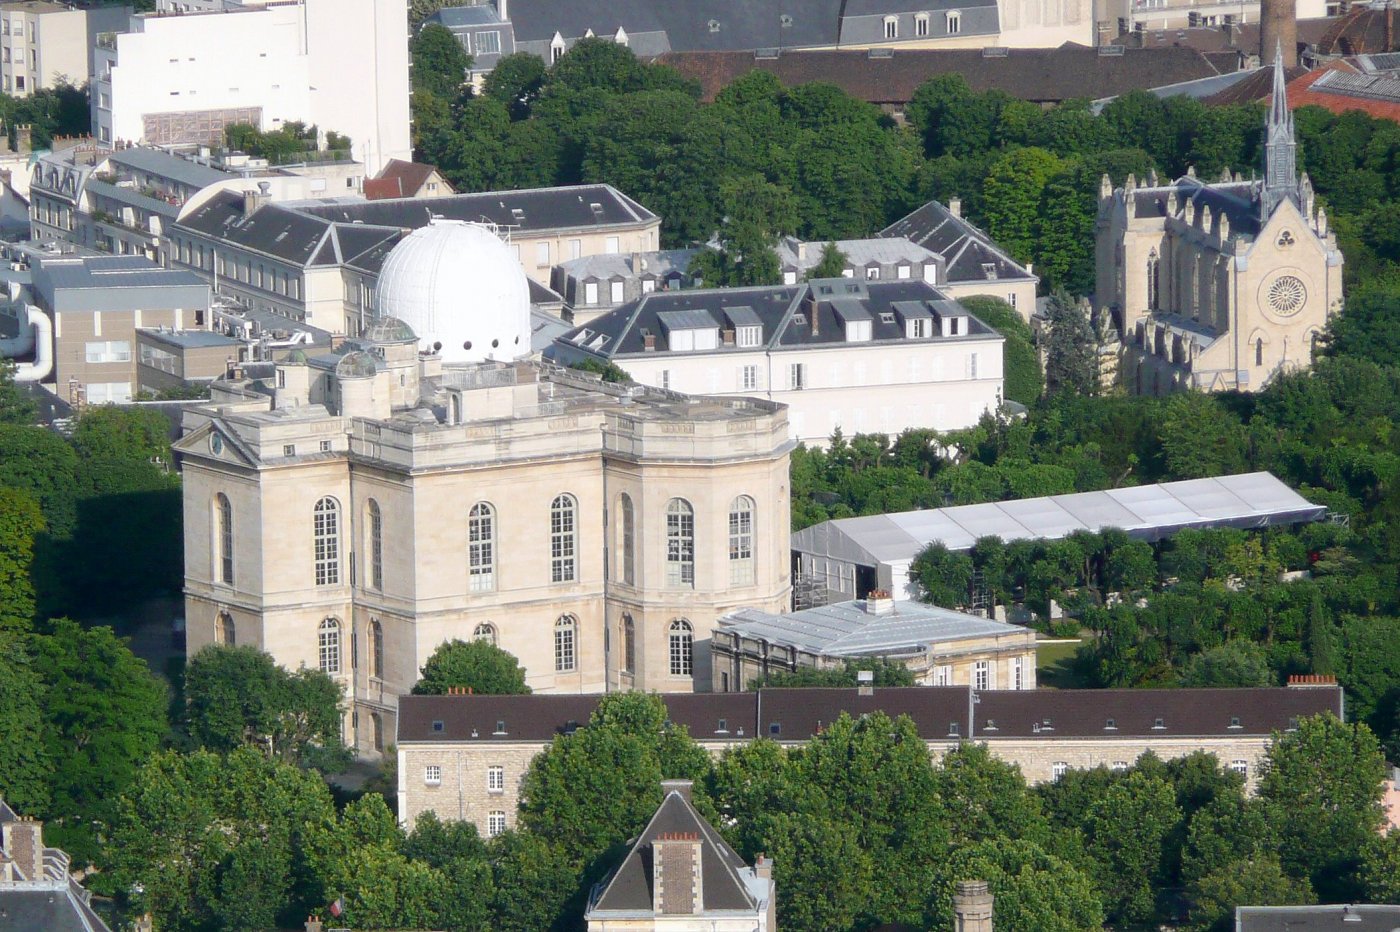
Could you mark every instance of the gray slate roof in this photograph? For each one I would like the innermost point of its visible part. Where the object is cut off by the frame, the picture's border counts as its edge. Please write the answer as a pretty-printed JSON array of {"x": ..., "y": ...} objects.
[
  {"x": 156, "y": 162},
  {"x": 1317, "y": 918},
  {"x": 775, "y": 305},
  {"x": 846, "y": 629},
  {"x": 543, "y": 209},
  {"x": 1238, "y": 200},
  {"x": 1145, "y": 512},
  {"x": 27, "y": 910},
  {"x": 619, "y": 265},
  {"x": 966, "y": 249},
  {"x": 629, "y": 888}
]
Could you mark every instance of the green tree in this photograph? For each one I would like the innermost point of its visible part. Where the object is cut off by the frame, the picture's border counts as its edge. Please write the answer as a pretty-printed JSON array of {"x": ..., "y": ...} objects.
[
  {"x": 206, "y": 841},
  {"x": 1012, "y": 194},
  {"x": 1323, "y": 783},
  {"x": 16, "y": 405},
  {"x": 1233, "y": 664},
  {"x": 238, "y": 696},
  {"x": 944, "y": 577},
  {"x": 1071, "y": 349},
  {"x": 1380, "y": 869},
  {"x": 1032, "y": 889},
  {"x": 884, "y": 673},
  {"x": 25, "y": 765},
  {"x": 756, "y": 213},
  {"x": 20, "y": 522},
  {"x": 38, "y": 461},
  {"x": 440, "y": 64},
  {"x": 986, "y": 799},
  {"x": 831, "y": 264},
  {"x": 1124, "y": 832},
  {"x": 1200, "y": 438},
  {"x": 516, "y": 82},
  {"x": 1259, "y": 880},
  {"x": 104, "y": 715},
  {"x": 532, "y": 881},
  {"x": 477, "y": 665}
]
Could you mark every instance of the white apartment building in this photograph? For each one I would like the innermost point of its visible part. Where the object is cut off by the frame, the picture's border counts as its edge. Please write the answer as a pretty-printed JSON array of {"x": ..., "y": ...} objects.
[
  {"x": 849, "y": 354},
  {"x": 178, "y": 78},
  {"x": 42, "y": 43}
]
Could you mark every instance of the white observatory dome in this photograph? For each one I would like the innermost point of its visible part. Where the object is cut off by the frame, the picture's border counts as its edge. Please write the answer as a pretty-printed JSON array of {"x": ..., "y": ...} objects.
[{"x": 459, "y": 287}]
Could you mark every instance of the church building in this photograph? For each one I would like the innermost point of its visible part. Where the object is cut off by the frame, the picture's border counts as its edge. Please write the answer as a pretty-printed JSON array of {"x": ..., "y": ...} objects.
[
  {"x": 353, "y": 510},
  {"x": 1222, "y": 286}
]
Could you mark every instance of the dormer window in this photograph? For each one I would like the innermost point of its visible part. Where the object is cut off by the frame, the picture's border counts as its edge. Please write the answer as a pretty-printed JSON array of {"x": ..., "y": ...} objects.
[
  {"x": 989, "y": 269},
  {"x": 1158, "y": 724},
  {"x": 891, "y": 27},
  {"x": 872, "y": 273},
  {"x": 1110, "y": 725},
  {"x": 919, "y": 328},
  {"x": 723, "y": 727},
  {"x": 687, "y": 331},
  {"x": 954, "y": 23},
  {"x": 1235, "y": 722},
  {"x": 921, "y": 25},
  {"x": 991, "y": 725},
  {"x": 517, "y": 215},
  {"x": 953, "y": 729},
  {"x": 748, "y": 336},
  {"x": 500, "y": 727}
]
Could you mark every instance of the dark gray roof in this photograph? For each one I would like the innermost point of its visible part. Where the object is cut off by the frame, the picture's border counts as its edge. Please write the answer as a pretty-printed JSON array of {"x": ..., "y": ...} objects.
[
  {"x": 115, "y": 272},
  {"x": 798, "y": 714},
  {"x": 967, "y": 251},
  {"x": 158, "y": 162},
  {"x": 132, "y": 198},
  {"x": 774, "y": 306},
  {"x": 274, "y": 230},
  {"x": 541, "y": 209},
  {"x": 478, "y": 15},
  {"x": 536, "y": 20},
  {"x": 189, "y": 339},
  {"x": 1317, "y": 918},
  {"x": 629, "y": 888},
  {"x": 52, "y": 910},
  {"x": 1236, "y": 199}
]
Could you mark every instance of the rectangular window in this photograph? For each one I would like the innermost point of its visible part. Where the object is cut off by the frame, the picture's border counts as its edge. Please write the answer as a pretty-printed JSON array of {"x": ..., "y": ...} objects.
[
  {"x": 590, "y": 293},
  {"x": 613, "y": 245},
  {"x": 1011, "y": 299},
  {"x": 903, "y": 272},
  {"x": 1240, "y": 767},
  {"x": 982, "y": 675},
  {"x": 1058, "y": 769},
  {"x": 972, "y": 366},
  {"x": 488, "y": 43},
  {"x": 921, "y": 25},
  {"x": 575, "y": 248},
  {"x": 104, "y": 393},
  {"x": 666, "y": 378},
  {"x": 797, "y": 376},
  {"x": 919, "y": 328},
  {"x": 1018, "y": 673},
  {"x": 617, "y": 292},
  {"x": 562, "y": 541},
  {"x": 943, "y": 675},
  {"x": 325, "y": 446},
  {"x": 495, "y": 779},
  {"x": 872, "y": 273},
  {"x": 481, "y": 548},
  {"x": 891, "y": 27},
  {"x": 748, "y": 378},
  {"x": 109, "y": 351},
  {"x": 432, "y": 775},
  {"x": 648, "y": 285},
  {"x": 748, "y": 336},
  {"x": 542, "y": 254},
  {"x": 495, "y": 823}
]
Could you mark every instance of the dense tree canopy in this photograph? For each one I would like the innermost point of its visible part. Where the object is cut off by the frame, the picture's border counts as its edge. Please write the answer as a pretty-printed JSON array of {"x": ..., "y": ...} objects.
[{"x": 477, "y": 665}]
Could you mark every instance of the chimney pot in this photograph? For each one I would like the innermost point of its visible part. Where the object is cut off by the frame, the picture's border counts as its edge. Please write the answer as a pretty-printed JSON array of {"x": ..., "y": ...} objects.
[
  {"x": 649, "y": 342},
  {"x": 955, "y": 206}
]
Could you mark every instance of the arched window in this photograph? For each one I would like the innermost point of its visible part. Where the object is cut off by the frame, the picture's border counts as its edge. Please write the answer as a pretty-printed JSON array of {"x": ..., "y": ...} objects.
[
  {"x": 1152, "y": 264},
  {"x": 741, "y": 541},
  {"x": 328, "y": 646},
  {"x": 628, "y": 547},
  {"x": 891, "y": 27},
  {"x": 224, "y": 631},
  {"x": 481, "y": 548},
  {"x": 563, "y": 539},
  {"x": 565, "y": 644},
  {"x": 376, "y": 727},
  {"x": 376, "y": 649},
  {"x": 629, "y": 644},
  {"x": 680, "y": 543},
  {"x": 224, "y": 515},
  {"x": 327, "y": 540},
  {"x": 954, "y": 22},
  {"x": 682, "y": 648},
  {"x": 1259, "y": 351},
  {"x": 376, "y": 545},
  {"x": 485, "y": 632}
]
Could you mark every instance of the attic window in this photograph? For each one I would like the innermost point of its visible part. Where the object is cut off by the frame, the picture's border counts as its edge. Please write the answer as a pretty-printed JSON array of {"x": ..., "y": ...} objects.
[
  {"x": 1046, "y": 725},
  {"x": 887, "y": 317},
  {"x": 714, "y": 25},
  {"x": 799, "y": 318},
  {"x": 437, "y": 726},
  {"x": 1235, "y": 722},
  {"x": 570, "y": 727},
  {"x": 1293, "y": 723},
  {"x": 785, "y": 21},
  {"x": 518, "y": 214},
  {"x": 1158, "y": 724},
  {"x": 723, "y": 727},
  {"x": 500, "y": 727},
  {"x": 749, "y": 336},
  {"x": 991, "y": 725},
  {"x": 1110, "y": 725},
  {"x": 953, "y": 729},
  {"x": 989, "y": 269},
  {"x": 775, "y": 728}
]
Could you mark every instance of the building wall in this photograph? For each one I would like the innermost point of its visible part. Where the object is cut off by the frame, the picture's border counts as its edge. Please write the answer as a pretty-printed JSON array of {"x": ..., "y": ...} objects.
[
  {"x": 41, "y": 47},
  {"x": 875, "y": 388},
  {"x": 73, "y": 331},
  {"x": 1019, "y": 293},
  {"x": 463, "y": 794},
  {"x": 539, "y": 251}
]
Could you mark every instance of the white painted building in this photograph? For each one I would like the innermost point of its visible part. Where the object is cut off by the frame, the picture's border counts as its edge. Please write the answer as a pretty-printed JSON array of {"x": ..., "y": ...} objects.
[
  {"x": 849, "y": 354},
  {"x": 180, "y": 78}
]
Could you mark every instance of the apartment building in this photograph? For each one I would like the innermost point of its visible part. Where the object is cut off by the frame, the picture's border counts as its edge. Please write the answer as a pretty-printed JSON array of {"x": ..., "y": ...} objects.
[{"x": 43, "y": 43}]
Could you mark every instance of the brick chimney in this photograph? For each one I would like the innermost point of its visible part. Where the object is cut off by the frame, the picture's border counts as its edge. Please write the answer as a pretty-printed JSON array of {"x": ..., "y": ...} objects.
[
  {"x": 24, "y": 138},
  {"x": 649, "y": 342},
  {"x": 1311, "y": 680},
  {"x": 24, "y": 843},
  {"x": 972, "y": 907}
]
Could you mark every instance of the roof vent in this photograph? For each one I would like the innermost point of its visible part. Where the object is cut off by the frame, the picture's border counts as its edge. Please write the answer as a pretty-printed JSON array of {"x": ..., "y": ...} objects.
[
  {"x": 785, "y": 21},
  {"x": 1110, "y": 51},
  {"x": 995, "y": 51},
  {"x": 880, "y": 53},
  {"x": 714, "y": 25}
]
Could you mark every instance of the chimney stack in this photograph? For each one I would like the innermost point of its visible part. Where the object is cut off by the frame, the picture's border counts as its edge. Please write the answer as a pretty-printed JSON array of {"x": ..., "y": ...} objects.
[
  {"x": 1278, "y": 32},
  {"x": 865, "y": 683},
  {"x": 955, "y": 206},
  {"x": 677, "y": 881},
  {"x": 24, "y": 138},
  {"x": 684, "y": 787},
  {"x": 314, "y": 924},
  {"x": 24, "y": 843},
  {"x": 972, "y": 907}
]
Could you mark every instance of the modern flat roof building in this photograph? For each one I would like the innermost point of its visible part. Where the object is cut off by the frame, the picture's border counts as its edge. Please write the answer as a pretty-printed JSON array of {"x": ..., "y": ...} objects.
[
  {"x": 449, "y": 747},
  {"x": 940, "y": 646},
  {"x": 1363, "y": 917},
  {"x": 851, "y": 556}
]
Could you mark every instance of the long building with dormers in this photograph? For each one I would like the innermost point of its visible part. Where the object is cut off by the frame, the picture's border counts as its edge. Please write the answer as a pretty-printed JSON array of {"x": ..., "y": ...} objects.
[
  {"x": 352, "y": 510},
  {"x": 1222, "y": 286}
]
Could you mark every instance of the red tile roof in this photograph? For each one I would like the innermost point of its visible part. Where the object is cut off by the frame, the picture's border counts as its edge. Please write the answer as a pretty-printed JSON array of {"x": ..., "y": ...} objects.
[{"x": 398, "y": 179}]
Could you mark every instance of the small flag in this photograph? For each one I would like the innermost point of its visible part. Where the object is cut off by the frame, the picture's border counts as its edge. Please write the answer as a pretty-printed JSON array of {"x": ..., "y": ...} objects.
[{"x": 338, "y": 906}]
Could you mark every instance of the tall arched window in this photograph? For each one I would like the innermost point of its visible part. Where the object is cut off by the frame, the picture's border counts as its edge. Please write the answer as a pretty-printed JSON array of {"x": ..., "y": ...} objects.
[
  {"x": 1259, "y": 351},
  {"x": 1152, "y": 265},
  {"x": 682, "y": 648},
  {"x": 629, "y": 644},
  {"x": 376, "y": 649},
  {"x": 376, "y": 545},
  {"x": 628, "y": 545},
  {"x": 680, "y": 543},
  {"x": 741, "y": 541},
  {"x": 563, "y": 539},
  {"x": 376, "y": 727},
  {"x": 224, "y": 515},
  {"x": 224, "y": 631},
  {"x": 481, "y": 548},
  {"x": 485, "y": 632},
  {"x": 326, "y": 535},
  {"x": 328, "y": 646},
  {"x": 565, "y": 644}
]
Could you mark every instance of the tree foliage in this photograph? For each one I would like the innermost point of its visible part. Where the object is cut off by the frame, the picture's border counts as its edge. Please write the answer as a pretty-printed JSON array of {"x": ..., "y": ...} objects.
[{"x": 476, "y": 665}]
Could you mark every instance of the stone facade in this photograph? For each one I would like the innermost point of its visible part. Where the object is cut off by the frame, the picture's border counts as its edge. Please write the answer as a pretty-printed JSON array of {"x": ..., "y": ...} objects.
[
  {"x": 1218, "y": 286},
  {"x": 606, "y": 511}
]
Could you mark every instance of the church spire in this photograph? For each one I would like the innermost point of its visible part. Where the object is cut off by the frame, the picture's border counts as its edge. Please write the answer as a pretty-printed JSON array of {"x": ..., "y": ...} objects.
[{"x": 1280, "y": 147}]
